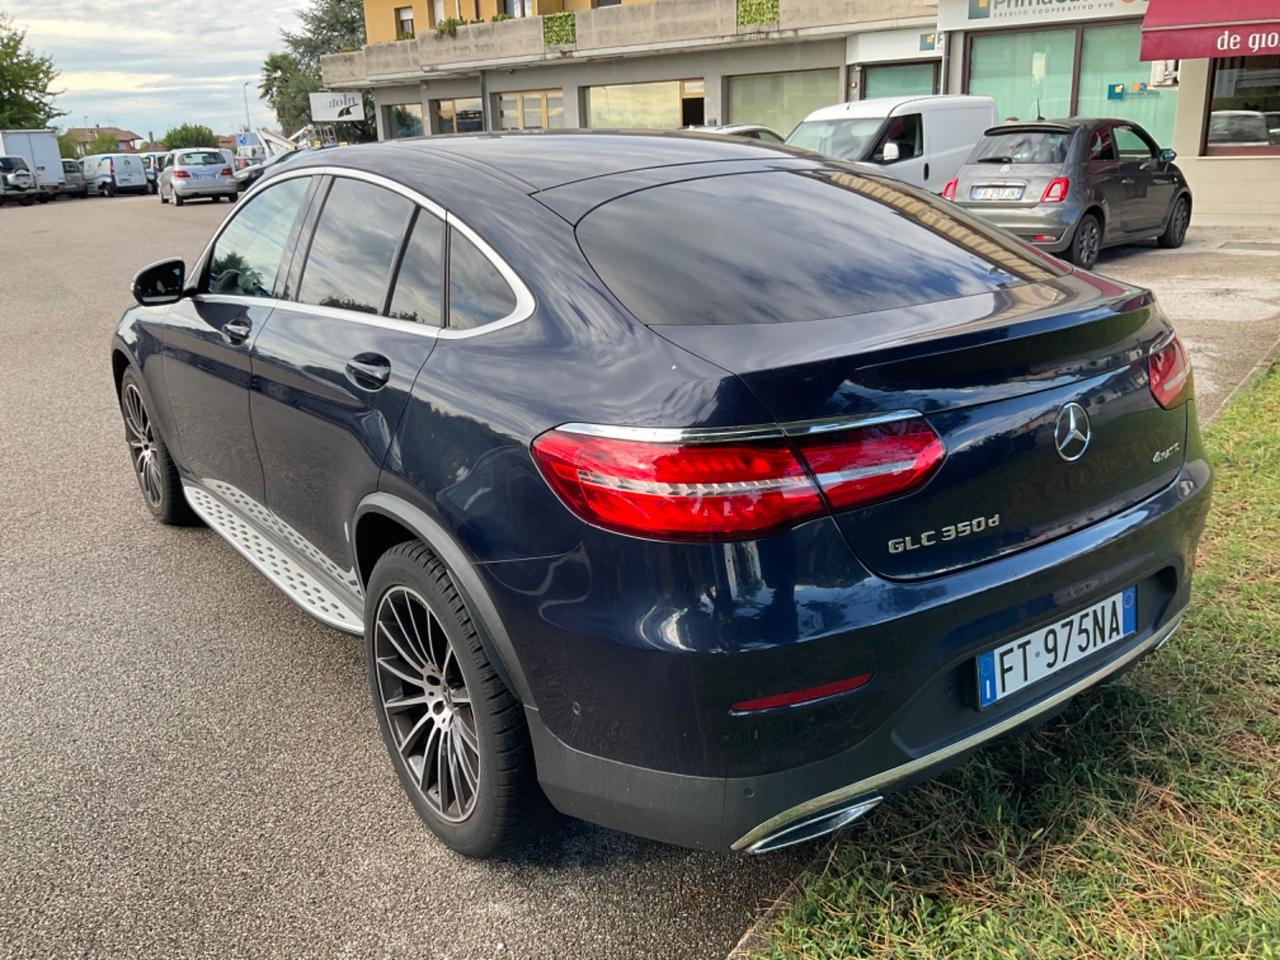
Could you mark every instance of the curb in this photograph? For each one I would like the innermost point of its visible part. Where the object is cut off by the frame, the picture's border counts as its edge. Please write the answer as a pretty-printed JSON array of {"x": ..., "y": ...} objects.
[{"x": 1258, "y": 371}]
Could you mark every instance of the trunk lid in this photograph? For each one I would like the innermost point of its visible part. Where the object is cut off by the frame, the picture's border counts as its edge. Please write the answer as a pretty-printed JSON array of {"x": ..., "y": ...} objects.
[{"x": 993, "y": 375}]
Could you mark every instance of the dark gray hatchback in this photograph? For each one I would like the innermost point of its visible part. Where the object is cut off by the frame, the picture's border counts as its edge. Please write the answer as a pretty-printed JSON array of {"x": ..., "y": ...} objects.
[{"x": 1075, "y": 186}]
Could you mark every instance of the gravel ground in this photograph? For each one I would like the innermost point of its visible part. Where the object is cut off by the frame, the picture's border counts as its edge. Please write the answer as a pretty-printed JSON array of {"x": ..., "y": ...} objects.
[{"x": 189, "y": 766}]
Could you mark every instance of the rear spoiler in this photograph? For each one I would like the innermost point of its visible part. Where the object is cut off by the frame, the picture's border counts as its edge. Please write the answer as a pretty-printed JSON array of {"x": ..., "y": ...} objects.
[{"x": 1033, "y": 126}]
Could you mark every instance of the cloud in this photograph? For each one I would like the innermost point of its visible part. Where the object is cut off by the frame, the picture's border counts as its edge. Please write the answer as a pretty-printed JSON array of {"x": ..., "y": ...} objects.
[{"x": 134, "y": 64}]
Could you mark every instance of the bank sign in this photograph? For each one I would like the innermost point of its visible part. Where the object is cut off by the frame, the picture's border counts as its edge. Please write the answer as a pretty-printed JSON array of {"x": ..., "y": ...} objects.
[{"x": 977, "y": 14}]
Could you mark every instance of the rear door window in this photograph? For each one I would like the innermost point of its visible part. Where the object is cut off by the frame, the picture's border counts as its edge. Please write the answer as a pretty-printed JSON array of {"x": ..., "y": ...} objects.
[
  {"x": 354, "y": 247},
  {"x": 246, "y": 256},
  {"x": 1101, "y": 147},
  {"x": 200, "y": 158},
  {"x": 788, "y": 246},
  {"x": 419, "y": 291},
  {"x": 478, "y": 293}
]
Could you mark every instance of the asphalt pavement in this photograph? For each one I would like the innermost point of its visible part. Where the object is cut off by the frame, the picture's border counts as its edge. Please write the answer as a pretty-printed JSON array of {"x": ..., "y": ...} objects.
[{"x": 190, "y": 766}]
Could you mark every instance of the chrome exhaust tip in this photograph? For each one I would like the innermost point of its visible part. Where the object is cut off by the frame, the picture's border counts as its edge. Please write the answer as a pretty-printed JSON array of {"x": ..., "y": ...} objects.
[{"x": 817, "y": 825}]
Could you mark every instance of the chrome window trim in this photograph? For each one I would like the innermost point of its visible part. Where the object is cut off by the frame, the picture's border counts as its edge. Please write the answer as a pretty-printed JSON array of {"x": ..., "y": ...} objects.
[
  {"x": 760, "y": 431},
  {"x": 757, "y": 840},
  {"x": 525, "y": 303}
]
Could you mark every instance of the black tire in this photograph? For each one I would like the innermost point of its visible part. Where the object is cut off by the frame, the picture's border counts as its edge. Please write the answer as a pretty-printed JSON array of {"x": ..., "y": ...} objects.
[
  {"x": 158, "y": 480},
  {"x": 1179, "y": 220},
  {"x": 111, "y": 189},
  {"x": 506, "y": 795},
  {"x": 1086, "y": 243},
  {"x": 177, "y": 200}
]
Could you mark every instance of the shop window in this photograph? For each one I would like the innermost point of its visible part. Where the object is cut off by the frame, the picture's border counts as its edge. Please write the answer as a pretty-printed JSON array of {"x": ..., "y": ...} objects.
[
  {"x": 900, "y": 80},
  {"x": 781, "y": 100},
  {"x": 1244, "y": 107},
  {"x": 1028, "y": 72},
  {"x": 693, "y": 104},
  {"x": 404, "y": 23},
  {"x": 1115, "y": 83},
  {"x": 635, "y": 106},
  {"x": 462, "y": 115},
  {"x": 403, "y": 120},
  {"x": 531, "y": 110}
]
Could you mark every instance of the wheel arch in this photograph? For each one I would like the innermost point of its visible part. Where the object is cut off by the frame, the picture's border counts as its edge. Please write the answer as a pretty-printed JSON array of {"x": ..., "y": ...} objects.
[
  {"x": 383, "y": 520},
  {"x": 120, "y": 361}
]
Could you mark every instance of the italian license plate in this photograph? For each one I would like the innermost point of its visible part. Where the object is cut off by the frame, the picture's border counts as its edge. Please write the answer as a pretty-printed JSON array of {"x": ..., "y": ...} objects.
[
  {"x": 996, "y": 193},
  {"x": 1019, "y": 663}
]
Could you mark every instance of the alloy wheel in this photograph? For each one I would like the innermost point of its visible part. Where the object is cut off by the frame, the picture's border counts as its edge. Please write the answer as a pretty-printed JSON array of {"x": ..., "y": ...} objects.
[
  {"x": 142, "y": 445},
  {"x": 1180, "y": 221},
  {"x": 1089, "y": 242},
  {"x": 427, "y": 705}
]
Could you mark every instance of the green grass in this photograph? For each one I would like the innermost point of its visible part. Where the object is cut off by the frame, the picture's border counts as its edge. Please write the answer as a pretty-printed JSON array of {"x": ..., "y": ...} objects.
[{"x": 1143, "y": 823}]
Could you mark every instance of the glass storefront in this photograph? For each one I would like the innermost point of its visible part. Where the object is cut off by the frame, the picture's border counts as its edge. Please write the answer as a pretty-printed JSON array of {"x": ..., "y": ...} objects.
[
  {"x": 1244, "y": 107},
  {"x": 635, "y": 106},
  {"x": 531, "y": 110},
  {"x": 1034, "y": 73},
  {"x": 459, "y": 116},
  {"x": 781, "y": 100},
  {"x": 403, "y": 120},
  {"x": 900, "y": 80}
]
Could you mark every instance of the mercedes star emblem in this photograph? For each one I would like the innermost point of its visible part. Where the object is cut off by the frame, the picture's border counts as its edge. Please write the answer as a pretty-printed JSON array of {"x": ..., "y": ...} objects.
[{"x": 1072, "y": 433}]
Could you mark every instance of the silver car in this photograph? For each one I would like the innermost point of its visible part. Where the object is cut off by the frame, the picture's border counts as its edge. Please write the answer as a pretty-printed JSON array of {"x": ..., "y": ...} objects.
[
  {"x": 77, "y": 185},
  {"x": 1075, "y": 186},
  {"x": 191, "y": 173}
]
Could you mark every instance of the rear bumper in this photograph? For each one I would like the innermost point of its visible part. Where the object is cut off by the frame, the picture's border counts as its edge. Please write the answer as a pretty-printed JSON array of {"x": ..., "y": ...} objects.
[
  {"x": 219, "y": 189},
  {"x": 1057, "y": 221},
  {"x": 918, "y": 716}
]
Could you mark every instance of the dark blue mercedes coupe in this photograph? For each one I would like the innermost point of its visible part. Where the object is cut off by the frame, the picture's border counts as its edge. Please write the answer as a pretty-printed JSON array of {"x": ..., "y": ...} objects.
[{"x": 712, "y": 489}]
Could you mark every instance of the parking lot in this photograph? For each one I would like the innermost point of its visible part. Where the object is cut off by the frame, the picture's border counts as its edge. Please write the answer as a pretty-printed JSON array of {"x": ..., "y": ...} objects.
[{"x": 189, "y": 765}]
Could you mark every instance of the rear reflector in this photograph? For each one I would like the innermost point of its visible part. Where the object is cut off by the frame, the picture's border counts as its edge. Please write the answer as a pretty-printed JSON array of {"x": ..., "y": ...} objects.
[
  {"x": 732, "y": 490},
  {"x": 1056, "y": 190},
  {"x": 1170, "y": 373},
  {"x": 807, "y": 695}
]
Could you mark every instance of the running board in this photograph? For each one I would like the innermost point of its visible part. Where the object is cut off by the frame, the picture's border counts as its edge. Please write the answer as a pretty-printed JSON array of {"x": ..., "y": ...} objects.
[{"x": 291, "y": 577}]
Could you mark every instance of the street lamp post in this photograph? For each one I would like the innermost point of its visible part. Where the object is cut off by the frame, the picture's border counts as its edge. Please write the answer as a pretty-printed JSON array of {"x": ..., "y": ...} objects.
[{"x": 245, "y": 90}]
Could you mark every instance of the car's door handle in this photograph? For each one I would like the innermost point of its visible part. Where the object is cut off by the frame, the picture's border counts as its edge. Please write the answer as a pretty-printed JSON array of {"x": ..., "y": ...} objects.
[
  {"x": 371, "y": 371},
  {"x": 1128, "y": 180},
  {"x": 926, "y": 171},
  {"x": 237, "y": 330}
]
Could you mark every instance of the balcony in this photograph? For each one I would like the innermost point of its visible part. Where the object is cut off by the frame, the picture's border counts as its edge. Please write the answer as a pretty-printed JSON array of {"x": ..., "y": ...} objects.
[{"x": 628, "y": 29}]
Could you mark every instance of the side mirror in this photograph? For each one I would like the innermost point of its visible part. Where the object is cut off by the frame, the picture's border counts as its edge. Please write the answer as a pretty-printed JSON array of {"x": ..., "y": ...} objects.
[
  {"x": 160, "y": 283},
  {"x": 1168, "y": 156},
  {"x": 889, "y": 153}
]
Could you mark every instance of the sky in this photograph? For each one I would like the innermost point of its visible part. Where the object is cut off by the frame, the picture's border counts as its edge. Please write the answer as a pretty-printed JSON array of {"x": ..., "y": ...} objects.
[{"x": 148, "y": 65}]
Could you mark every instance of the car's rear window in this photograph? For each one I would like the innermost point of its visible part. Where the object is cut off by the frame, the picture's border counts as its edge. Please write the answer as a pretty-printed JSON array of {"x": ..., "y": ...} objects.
[
  {"x": 201, "y": 158},
  {"x": 12, "y": 163},
  {"x": 791, "y": 246},
  {"x": 1024, "y": 146}
]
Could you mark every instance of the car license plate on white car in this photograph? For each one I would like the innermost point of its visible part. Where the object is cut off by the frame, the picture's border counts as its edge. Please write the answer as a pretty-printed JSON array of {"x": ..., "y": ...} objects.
[
  {"x": 1030, "y": 658},
  {"x": 996, "y": 193}
]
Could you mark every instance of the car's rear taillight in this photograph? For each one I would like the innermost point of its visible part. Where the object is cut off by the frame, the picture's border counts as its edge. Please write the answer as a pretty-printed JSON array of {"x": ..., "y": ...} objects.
[
  {"x": 181, "y": 175},
  {"x": 225, "y": 172},
  {"x": 949, "y": 191},
  {"x": 1056, "y": 190},
  {"x": 731, "y": 490},
  {"x": 1170, "y": 374}
]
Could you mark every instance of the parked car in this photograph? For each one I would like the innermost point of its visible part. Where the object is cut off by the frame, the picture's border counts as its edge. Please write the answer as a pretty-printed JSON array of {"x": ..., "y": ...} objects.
[
  {"x": 76, "y": 184},
  {"x": 195, "y": 173},
  {"x": 752, "y": 131},
  {"x": 151, "y": 163},
  {"x": 247, "y": 176},
  {"x": 16, "y": 183},
  {"x": 716, "y": 542},
  {"x": 111, "y": 173},
  {"x": 39, "y": 148},
  {"x": 918, "y": 140},
  {"x": 1076, "y": 186}
]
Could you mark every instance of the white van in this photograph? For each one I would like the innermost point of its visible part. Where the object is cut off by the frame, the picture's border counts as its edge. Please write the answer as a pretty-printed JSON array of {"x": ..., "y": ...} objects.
[
  {"x": 112, "y": 173},
  {"x": 919, "y": 140}
]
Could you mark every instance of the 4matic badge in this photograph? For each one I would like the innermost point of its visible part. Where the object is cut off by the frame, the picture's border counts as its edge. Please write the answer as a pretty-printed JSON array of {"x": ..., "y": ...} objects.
[{"x": 954, "y": 531}]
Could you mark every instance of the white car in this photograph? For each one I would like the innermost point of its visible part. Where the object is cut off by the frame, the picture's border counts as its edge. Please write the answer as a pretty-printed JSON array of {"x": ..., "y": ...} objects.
[
  {"x": 112, "y": 173},
  {"x": 919, "y": 140},
  {"x": 196, "y": 172}
]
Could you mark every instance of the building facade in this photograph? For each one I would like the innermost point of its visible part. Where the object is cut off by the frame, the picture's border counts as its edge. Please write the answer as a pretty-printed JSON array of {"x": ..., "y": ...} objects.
[{"x": 445, "y": 66}]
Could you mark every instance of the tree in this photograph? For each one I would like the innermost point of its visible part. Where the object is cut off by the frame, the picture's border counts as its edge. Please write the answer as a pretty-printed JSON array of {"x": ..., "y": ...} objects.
[
  {"x": 190, "y": 135},
  {"x": 67, "y": 147},
  {"x": 102, "y": 143},
  {"x": 26, "y": 102},
  {"x": 290, "y": 77}
]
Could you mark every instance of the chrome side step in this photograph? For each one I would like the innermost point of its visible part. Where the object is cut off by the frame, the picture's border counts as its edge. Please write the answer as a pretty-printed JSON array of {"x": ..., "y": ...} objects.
[{"x": 291, "y": 577}]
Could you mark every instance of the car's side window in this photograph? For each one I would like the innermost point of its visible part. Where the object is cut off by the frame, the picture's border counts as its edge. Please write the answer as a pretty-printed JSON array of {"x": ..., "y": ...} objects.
[
  {"x": 353, "y": 249},
  {"x": 769, "y": 137},
  {"x": 1131, "y": 146},
  {"x": 478, "y": 293},
  {"x": 907, "y": 132},
  {"x": 247, "y": 254},
  {"x": 419, "y": 289},
  {"x": 1101, "y": 147}
]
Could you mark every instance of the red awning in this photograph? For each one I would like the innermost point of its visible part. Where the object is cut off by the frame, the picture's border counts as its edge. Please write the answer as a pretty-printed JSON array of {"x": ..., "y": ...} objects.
[{"x": 1197, "y": 29}]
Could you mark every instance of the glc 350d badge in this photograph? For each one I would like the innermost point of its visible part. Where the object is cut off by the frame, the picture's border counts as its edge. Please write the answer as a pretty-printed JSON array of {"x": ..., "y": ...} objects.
[{"x": 1072, "y": 432}]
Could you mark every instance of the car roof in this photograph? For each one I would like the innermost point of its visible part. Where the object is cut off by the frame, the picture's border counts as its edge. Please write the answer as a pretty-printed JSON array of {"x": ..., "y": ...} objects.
[
  {"x": 884, "y": 106},
  {"x": 539, "y": 160}
]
